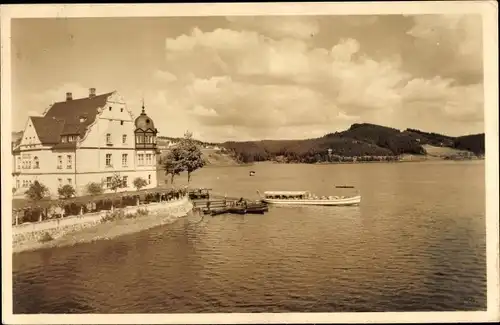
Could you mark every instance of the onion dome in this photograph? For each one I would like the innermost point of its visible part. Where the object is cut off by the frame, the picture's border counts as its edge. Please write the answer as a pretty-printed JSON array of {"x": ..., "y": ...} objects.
[{"x": 144, "y": 122}]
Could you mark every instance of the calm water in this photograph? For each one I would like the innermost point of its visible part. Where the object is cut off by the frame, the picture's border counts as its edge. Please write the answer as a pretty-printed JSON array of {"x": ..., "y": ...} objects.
[{"x": 416, "y": 243}]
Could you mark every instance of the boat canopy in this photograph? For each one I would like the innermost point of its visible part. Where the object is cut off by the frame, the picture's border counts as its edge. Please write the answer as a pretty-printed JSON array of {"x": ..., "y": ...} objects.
[{"x": 286, "y": 193}]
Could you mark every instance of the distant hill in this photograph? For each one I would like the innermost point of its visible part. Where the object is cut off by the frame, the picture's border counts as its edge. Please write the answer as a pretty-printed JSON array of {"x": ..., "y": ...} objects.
[
  {"x": 473, "y": 143},
  {"x": 362, "y": 140}
]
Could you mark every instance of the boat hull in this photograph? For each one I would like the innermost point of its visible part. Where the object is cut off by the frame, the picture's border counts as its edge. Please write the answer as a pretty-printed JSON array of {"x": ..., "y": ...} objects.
[{"x": 354, "y": 200}]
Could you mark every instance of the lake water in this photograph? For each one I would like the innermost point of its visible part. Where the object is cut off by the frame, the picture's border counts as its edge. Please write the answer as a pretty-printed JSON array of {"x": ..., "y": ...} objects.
[{"x": 416, "y": 243}]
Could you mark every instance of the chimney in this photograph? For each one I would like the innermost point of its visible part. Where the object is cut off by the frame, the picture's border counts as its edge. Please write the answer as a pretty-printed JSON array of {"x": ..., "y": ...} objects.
[
  {"x": 69, "y": 96},
  {"x": 91, "y": 92}
]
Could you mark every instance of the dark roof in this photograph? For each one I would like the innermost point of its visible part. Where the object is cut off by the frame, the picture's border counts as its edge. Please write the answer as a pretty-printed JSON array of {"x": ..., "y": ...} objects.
[
  {"x": 48, "y": 129},
  {"x": 63, "y": 118}
]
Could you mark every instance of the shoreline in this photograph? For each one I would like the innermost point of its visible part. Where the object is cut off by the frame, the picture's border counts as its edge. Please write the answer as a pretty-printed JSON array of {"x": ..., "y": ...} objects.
[
  {"x": 433, "y": 159},
  {"x": 93, "y": 229}
]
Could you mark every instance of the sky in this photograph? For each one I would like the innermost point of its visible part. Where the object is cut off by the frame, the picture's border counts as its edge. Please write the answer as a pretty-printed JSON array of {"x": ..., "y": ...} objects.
[{"x": 260, "y": 77}]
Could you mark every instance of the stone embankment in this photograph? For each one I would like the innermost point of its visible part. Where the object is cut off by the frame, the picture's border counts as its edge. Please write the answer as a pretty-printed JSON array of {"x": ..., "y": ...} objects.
[{"x": 90, "y": 227}]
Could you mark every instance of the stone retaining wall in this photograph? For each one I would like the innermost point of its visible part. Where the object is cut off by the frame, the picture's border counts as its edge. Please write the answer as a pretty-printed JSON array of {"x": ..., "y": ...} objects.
[{"x": 59, "y": 227}]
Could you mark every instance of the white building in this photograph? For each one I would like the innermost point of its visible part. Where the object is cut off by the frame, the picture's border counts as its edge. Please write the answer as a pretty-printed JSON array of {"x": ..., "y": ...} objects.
[{"x": 78, "y": 141}]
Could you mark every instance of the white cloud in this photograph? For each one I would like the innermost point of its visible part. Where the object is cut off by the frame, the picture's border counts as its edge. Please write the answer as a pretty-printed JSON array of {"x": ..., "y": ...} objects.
[
  {"x": 459, "y": 35},
  {"x": 165, "y": 76},
  {"x": 242, "y": 81}
]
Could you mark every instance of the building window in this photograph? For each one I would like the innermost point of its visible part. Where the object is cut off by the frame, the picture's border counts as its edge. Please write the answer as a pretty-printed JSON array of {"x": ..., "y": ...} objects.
[
  {"x": 36, "y": 163},
  {"x": 121, "y": 109},
  {"x": 25, "y": 183},
  {"x": 108, "y": 160},
  {"x": 110, "y": 108},
  {"x": 59, "y": 162},
  {"x": 125, "y": 181},
  {"x": 108, "y": 182},
  {"x": 18, "y": 163},
  {"x": 149, "y": 179},
  {"x": 124, "y": 138},
  {"x": 26, "y": 161},
  {"x": 69, "y": 181},
  {"x": 121, "y": 122},
  {"x": 148, "y": 159},
  {"x": 69, "y": 164},
  {"x": 18, "y": 183},
  {"x": 59, "y": 180},
  {"x": 140, "y": 159},
  {"x": 108, "y": 138},
  {"x": 124, "y": 160}
]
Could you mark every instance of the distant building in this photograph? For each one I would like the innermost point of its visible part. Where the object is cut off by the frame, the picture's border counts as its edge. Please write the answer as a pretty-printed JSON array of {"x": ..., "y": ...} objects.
[{"x": 84, "y": 140}]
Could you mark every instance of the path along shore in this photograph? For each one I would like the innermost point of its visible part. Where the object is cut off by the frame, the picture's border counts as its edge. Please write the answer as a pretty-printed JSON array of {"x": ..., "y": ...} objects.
[{"x": 90, "y": 227}]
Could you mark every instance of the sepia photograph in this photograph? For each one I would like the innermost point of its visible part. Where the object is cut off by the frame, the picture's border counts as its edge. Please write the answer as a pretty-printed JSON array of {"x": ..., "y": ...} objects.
[{"x": 266, "y": 162}]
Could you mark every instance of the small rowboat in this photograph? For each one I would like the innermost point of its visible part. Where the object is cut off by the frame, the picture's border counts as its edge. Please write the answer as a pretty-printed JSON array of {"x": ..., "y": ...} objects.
[
  {"x": 216, "y": 212},
  {"x": 301, "y": 198},
  {"x": 249, "y": 208}
]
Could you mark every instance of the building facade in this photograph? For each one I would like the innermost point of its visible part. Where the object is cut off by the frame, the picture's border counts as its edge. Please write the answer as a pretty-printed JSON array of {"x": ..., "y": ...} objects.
[{"x": 90, "y": 139}]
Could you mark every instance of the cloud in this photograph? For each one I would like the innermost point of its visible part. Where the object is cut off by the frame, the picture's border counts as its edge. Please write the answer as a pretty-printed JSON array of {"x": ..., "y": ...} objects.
[
  {"x": 456, "y": 38},
  {"x": 164, "y": 76},
  {"x": 244, "y": 81}
]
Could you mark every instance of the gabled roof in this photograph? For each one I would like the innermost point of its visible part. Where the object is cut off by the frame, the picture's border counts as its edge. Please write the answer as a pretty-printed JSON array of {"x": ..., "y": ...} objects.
[
  {"x": 63, "y": 118},
  {"x": 47, "y": 129}
]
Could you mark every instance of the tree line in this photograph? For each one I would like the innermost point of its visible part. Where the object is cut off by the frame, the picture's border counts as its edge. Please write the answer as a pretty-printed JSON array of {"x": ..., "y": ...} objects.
[{"x": 365, "y": 142}]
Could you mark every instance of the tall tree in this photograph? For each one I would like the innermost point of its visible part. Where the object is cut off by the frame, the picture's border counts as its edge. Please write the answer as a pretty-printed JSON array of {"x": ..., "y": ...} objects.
[
  {"x": 191, "y": 154},
  {"x": 172, "y": 163}
]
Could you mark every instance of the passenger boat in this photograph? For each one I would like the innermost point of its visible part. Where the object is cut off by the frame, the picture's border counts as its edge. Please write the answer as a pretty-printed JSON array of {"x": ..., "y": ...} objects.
[{"x": 307, "y": 198}]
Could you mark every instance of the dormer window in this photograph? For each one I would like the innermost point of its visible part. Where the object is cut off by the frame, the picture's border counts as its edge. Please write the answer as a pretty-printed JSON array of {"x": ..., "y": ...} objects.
[
  {"x": 82, "y": 119},
  {"x": 64, "y": 139}
]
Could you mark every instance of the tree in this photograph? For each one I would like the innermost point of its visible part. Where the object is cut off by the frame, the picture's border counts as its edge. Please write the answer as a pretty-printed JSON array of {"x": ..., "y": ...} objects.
[
  {"x": 192, "y": 157},
  {"x": 116, "y": 182},
  {"x": 94, "y": 188},
  {"x": 172, "y": 163},
  {"x": 36, "y": 191},
  {"x": 66, "y": 191},
  {"x": 139, "y": 183}
]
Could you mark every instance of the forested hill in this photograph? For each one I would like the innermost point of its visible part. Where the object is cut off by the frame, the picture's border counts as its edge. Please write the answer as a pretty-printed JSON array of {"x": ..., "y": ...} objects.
[{"x": 365, "y": 141}]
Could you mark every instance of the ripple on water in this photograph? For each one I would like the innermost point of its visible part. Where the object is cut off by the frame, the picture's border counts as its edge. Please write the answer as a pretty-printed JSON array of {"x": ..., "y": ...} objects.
[{"x": 408, "y": 247}]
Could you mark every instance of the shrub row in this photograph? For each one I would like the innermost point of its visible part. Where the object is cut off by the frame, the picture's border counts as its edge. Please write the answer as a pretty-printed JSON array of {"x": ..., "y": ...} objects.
[{"x": 34, "y": 214}]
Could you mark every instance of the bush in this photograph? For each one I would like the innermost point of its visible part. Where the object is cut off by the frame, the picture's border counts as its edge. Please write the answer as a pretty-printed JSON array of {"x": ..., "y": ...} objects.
[
  {"x": 36, "y": 191},
  {"x": 67, "y": 191},
  {"x": 94, "y": 188},
  {"x": 139, "y": 183}
]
